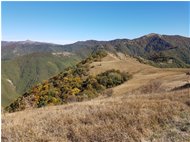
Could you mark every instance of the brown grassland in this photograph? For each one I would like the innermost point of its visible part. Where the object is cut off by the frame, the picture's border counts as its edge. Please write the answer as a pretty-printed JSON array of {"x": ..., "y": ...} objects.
[{"x": 144, "y": 109}]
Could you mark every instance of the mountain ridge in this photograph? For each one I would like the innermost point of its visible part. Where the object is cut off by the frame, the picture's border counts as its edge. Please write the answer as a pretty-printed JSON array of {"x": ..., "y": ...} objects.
[
  {"x": 175, "y": 46},
  {"x": 158, "y": 50},
  {"x": 146, "y": 35}
]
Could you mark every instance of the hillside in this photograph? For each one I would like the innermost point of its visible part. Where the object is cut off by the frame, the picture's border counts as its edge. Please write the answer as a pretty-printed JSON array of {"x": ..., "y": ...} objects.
[
  {"x": 69, "y": 85},
  {"x": 21, "y": 73},
  {"x": 157, "y": 50},
  {"x": 141, "y": 109},
  {"x": 116, "y": 96},
  {"x": 163, "y": 50},
  {"x": 142, "y": 73},
  {"x": 136, "y": 117},
  {"x": 73, "y": 84}
]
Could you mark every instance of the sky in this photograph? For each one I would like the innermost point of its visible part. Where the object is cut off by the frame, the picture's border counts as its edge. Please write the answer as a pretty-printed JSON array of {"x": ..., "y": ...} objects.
[{"x": 68, "y": 22}]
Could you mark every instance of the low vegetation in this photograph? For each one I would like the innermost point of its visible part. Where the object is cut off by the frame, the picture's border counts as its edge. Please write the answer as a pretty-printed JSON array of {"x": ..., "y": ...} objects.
[
  {"x": 138, "y": 117},
  {"x": 74, "y": 84}
]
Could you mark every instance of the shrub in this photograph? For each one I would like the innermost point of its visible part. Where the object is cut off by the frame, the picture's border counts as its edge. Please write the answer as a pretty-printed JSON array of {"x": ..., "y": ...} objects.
[
  {"x": 88, "y": 93},
  {"x": 112, "y": 78},
  {"x": 75, "y": 91},
  {"x": 41, "y": 102}
]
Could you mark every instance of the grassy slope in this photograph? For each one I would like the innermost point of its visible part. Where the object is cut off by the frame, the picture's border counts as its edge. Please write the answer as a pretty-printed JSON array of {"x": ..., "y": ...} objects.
[
  {"x": 27, "y": 70},
  {"x": 129, "y": 115},
  {"x": 142, "y": 73},
  {"x": 158, "y": 117}
]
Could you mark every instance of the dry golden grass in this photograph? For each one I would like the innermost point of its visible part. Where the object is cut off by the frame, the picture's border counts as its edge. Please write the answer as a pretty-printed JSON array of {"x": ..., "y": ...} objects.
[
  {"x": 142, "y": 73},
  {"x": 137, "y": 117},
  {"x": 139, "y": 110}
]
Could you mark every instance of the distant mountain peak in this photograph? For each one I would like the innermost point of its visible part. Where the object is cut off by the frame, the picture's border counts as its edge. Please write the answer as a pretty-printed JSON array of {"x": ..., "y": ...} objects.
[
  {"x": 153, "y": 34},
  {"x": 27, "y": 41}
]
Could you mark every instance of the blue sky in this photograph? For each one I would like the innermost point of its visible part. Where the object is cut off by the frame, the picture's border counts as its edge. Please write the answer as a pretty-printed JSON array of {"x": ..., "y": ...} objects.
[{"x": 67, "y": 22}]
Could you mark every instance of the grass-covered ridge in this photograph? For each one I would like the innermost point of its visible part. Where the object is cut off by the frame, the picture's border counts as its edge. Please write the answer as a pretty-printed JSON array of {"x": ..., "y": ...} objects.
[{"x": 73, "y": 84}]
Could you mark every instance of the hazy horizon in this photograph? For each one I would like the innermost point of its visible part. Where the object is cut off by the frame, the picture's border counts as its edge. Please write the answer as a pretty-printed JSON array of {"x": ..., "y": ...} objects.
[{"x": 83, "y": 40}]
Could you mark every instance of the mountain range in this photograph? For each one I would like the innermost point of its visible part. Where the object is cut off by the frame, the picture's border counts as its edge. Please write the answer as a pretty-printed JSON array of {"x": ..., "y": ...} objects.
[
  {"x": 148, "y": 46},
  {"x": 95, "y": 71},
  {"x": 105, "y": 97},
  {"x": 25, "y": 63}
]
